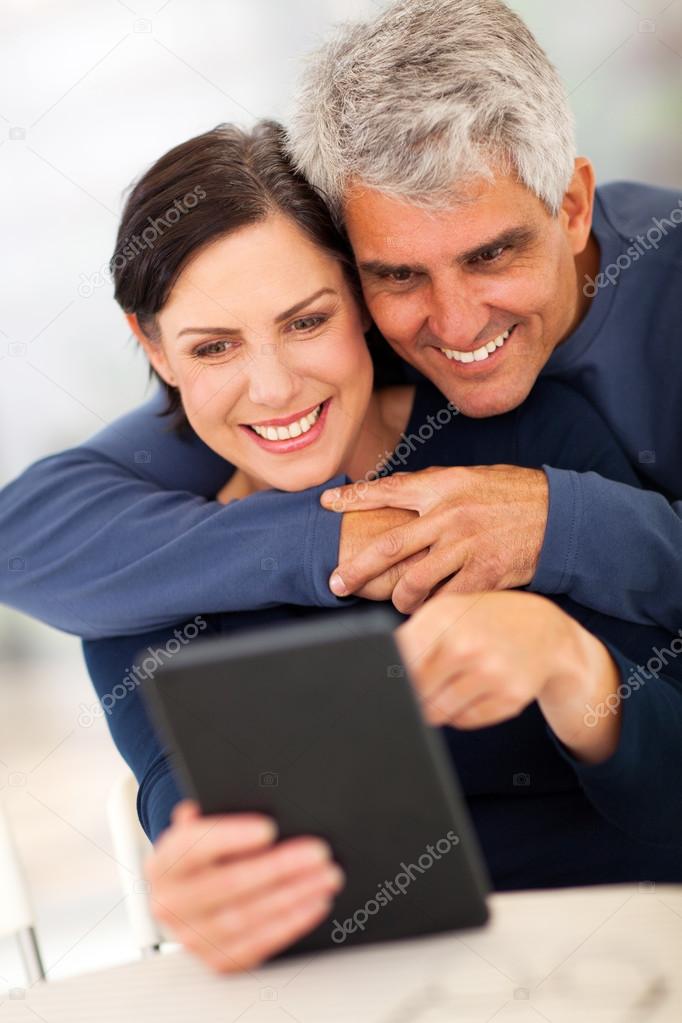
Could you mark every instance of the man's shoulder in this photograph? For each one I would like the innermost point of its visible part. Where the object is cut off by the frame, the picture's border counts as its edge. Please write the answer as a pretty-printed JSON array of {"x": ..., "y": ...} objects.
[{"x": 633, "y": 208}]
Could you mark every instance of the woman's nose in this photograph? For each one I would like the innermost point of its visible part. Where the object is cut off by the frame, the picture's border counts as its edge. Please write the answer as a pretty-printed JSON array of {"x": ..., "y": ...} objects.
[{"x": 271, "y": 381}]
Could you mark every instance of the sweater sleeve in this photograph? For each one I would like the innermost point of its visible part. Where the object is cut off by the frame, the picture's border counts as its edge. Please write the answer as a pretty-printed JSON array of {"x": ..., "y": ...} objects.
[
  {"x": 608, "y": 544},
  {"x": 639, "y": 787},
  {"x": 120, "y": 535},
  {"x": 612, "y": 547}
]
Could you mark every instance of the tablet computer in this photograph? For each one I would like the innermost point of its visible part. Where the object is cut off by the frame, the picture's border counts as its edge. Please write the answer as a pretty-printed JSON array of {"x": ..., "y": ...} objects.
[{"x": 316, "y": 724}]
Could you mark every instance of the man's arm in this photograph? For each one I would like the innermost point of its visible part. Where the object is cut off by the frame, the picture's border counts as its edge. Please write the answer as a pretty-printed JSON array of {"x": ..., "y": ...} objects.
[
  {"x": 612, "y": 547},
  {"x": 120, "y": 535}
]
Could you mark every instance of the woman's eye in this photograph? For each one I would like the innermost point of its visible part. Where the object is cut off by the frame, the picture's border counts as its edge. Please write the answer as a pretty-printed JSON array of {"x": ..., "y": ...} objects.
[
  {"x": 213, "y": 348},
  {"x": 306, "y": 323}
]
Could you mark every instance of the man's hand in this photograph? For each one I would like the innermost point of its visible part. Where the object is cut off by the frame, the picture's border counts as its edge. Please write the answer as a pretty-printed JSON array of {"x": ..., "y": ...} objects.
[
  {"x": 480, "y": 659},
  {"x": 481, "y": 528},
  {"x": 230, "y": 894}
]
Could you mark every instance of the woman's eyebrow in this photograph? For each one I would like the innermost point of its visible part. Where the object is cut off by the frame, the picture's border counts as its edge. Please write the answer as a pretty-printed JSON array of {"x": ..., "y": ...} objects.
[
  {"x": 209, "y": 330},
  {"x": 213, "y": 331},
  {"x": 302, "y": 304}
]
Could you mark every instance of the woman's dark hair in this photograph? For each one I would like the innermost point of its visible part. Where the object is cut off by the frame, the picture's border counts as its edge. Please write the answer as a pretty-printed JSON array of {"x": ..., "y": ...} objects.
[{"x": 206, "y": 187}]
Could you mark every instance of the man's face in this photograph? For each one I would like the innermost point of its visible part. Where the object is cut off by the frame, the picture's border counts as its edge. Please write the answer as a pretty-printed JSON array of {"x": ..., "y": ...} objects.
[{"x": 492, "y": 280}]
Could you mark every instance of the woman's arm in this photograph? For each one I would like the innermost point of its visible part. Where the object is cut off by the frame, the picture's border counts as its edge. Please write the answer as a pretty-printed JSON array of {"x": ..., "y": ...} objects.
[
  {"x": 481, "y": 659},
  {"x": 226, "y": 888}
]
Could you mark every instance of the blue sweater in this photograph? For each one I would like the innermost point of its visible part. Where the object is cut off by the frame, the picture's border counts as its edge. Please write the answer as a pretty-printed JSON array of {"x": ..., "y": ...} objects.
[
  {"x": 542, "y": 817},
  {"x": 121, "y": 534}
]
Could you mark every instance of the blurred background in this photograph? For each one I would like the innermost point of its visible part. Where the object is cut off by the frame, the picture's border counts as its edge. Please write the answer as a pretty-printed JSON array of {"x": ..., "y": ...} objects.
[{"x": 91, "y": 93}]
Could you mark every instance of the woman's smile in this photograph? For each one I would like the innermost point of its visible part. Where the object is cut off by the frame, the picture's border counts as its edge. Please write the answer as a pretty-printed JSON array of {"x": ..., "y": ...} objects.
[{"x": 289, "y": 433}]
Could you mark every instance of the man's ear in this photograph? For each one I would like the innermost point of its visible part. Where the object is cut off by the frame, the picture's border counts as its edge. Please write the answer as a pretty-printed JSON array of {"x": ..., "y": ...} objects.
[
  {"x": 578, "y": 205},
  {"x": 153, "y": 350}
]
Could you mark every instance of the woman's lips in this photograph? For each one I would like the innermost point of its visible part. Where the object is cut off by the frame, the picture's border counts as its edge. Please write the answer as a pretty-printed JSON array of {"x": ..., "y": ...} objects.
[{"x": 285, "y": 447}]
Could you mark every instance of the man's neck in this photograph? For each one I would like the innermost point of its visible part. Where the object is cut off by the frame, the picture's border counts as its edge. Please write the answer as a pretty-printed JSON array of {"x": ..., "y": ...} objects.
[{"x": 586, "y": 266}]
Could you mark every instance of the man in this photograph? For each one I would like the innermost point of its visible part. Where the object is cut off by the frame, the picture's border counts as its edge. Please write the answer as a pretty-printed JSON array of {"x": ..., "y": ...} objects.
[{"x": 443, "y": 139}]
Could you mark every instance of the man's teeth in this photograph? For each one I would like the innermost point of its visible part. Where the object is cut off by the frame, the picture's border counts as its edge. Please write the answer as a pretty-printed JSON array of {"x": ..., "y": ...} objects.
[
  {"x": 480, "y": 354},
  {"x": 294, "y": 429}
]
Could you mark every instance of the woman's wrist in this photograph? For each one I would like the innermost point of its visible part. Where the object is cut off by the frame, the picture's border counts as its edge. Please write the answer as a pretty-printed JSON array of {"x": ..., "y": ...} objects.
[{"x": 584, "y": 674}]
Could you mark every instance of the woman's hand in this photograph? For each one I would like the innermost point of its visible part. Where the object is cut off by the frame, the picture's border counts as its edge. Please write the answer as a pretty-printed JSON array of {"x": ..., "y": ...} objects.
[
  {"x": 480, "y": 659},
  {"x": 231, "y": 894}
]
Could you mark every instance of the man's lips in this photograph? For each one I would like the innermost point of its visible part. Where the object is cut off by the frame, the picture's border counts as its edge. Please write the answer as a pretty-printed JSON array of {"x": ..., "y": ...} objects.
[{"x": 481, "y": 353}]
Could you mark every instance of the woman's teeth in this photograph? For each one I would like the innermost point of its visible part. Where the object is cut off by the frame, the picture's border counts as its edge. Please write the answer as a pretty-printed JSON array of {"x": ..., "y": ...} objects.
[
  {"x": 294, "y": 429},
  {"x": 481, "y": 353}
]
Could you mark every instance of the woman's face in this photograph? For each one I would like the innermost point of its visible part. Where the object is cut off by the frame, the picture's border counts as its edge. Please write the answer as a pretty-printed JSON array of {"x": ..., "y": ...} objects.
[{"x": 265, "y": 342}]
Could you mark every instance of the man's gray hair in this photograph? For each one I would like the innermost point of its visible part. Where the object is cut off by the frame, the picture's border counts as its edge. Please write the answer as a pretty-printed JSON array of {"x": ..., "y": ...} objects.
[{"x": 429, "y": 94}]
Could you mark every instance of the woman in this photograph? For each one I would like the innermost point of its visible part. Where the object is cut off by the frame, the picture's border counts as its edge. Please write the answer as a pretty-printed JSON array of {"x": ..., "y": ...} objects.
[{"x": 249, "y": 311}]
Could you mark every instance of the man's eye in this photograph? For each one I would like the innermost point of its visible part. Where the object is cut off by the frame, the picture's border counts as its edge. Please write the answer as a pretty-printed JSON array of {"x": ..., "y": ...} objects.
[
  {"x": 489, "y": 255},
  {"x": 306, "y": 323},
  {"x": 213, "y": 348},
  {"x": 401, "y": 276}
]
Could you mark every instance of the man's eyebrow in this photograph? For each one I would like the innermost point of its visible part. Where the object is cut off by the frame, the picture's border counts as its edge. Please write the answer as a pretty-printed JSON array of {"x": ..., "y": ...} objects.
[
  {"x": 214, "y": 331},
  {"x": 515, "y": 236}
]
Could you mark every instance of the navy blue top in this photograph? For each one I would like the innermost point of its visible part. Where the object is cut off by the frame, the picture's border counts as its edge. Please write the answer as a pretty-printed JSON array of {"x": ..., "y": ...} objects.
[
  {"x": 121, "y": 533},
  {"x": 543, "y": 818}
]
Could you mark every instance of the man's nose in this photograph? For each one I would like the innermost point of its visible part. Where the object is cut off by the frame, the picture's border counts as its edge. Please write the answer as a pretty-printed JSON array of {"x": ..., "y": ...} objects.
[
  {"x": 271, "y": 381},
  {"x": 456, "y": 318}
]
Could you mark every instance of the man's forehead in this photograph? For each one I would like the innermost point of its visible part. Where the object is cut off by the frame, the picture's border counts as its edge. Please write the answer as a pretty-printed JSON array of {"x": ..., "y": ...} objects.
[{"x": 479, "y": 212}]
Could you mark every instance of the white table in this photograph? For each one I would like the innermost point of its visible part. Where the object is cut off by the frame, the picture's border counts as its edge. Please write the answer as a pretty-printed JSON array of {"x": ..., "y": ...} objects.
[{"x": 588, "y": 955}]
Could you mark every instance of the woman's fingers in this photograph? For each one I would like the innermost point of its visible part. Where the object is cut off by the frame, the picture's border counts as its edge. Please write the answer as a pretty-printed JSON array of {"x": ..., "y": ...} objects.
[
  {"x": 269, "y": 938},
  {"x": 198, "y": 841},
  {"x": 185, "y": 811},
  {"x": 221, "y": 884}
]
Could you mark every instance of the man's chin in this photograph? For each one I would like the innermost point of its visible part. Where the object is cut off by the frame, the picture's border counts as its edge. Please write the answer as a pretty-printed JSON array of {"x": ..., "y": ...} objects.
[{"x": 484, "y": 398}]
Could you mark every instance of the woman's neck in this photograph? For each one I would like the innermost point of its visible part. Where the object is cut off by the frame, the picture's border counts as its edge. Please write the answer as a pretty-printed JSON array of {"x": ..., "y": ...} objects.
[{"x": 386, "y": 419}]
